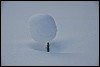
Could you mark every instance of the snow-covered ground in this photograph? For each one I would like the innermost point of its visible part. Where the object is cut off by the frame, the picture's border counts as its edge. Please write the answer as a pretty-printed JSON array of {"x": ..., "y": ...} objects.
[{"x": 76, "y": 42}]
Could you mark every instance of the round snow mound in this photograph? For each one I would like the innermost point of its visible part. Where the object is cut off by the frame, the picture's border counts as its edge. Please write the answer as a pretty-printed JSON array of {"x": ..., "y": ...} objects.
[{"x": 42, "y": 27}]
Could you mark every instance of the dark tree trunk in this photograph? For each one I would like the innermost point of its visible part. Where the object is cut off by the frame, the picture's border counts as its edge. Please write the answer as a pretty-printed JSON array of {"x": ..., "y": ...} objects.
[{"x": 48, "y": 47}]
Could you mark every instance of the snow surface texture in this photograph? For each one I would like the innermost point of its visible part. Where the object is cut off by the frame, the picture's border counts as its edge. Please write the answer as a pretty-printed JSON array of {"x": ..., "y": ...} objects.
[
  {"x": 76, "y": 42},
  {"x": 42, "y": 27}
]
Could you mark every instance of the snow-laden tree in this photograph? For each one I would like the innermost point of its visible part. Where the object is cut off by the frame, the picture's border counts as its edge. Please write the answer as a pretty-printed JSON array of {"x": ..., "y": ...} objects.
[{"x": 43, "y": 28}]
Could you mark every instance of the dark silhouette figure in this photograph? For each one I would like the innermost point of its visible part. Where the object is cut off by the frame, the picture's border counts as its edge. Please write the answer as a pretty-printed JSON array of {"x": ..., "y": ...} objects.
[{"x": 48, "y": 47}]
